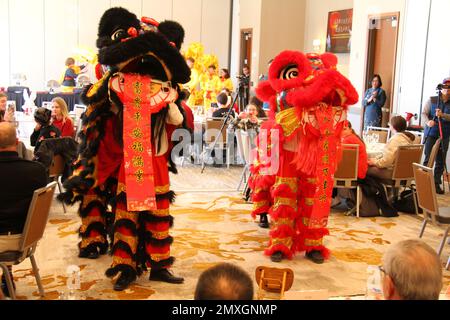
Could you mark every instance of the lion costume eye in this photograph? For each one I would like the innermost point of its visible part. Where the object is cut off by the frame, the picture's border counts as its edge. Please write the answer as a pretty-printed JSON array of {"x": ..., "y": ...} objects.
[
  {"x": 118, "y": 34},
  {"x": 290, "y": 72}
]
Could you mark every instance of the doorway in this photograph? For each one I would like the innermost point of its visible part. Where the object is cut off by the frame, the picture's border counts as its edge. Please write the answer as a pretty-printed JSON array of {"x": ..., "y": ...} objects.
[
  {"x": 382, "y": 56},
  {"x": 246, "y": 49}
]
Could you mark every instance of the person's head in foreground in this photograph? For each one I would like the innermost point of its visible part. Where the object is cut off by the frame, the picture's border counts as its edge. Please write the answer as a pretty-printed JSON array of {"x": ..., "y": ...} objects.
[
  {"x": 224, "y": 282},
  {"x": 8, "y": 137},
  {"x": 411, "y": 271}
]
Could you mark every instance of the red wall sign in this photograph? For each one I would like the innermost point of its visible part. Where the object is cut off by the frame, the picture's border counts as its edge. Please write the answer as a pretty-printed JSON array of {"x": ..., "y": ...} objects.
[{"x": 339, "y": 31}]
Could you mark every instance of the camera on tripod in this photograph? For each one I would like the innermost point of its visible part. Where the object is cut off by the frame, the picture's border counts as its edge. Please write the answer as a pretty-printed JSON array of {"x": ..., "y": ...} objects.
[
  {"x": 243, "y": 80},
  {"x": 442, "y": 86}
]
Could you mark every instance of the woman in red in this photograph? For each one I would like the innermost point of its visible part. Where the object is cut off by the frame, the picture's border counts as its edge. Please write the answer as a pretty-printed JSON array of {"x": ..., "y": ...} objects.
[
  {"x": 61, "y": 118},
  {"x": 350, "y": 137}
]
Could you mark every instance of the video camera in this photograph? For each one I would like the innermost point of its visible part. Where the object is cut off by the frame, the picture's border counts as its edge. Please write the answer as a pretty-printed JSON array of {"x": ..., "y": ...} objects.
[
  {"x": 243, "y": 79},
  {"x": 442, "y": 86}
]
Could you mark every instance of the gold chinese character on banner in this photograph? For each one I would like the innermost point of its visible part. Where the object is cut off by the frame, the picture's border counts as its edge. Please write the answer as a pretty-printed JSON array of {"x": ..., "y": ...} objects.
[
  {"x": 325, "y": 159},
  {"x": 323, "y": 198},
  {"x": 325, "y": 185},
  {"x": 326, "y": 145},
  {"x": 325, "y": 171},
  {"x": 137, "y": 146},
  {"x": 138, "y": 162},
  {"x": 137, "y": 133},
  {"x": 138, "y": 88},
  {"x": 137, "y": 102},
  {"x": 139, "y": 175},
  {"x": 137, "y": 116}
]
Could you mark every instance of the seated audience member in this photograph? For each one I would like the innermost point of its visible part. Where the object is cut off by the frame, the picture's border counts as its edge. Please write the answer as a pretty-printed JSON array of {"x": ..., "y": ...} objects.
[
  {"x": 382, "y": 167},
  {"x": 6, "y": 114},
  {"x": 43, "y": 129},
  {"x": 224, "y": 282},
  {"x": 20, "y": 179},
  {"x": 189, "y": 115},
  {"x": 411, "y": 271},
  {"x": 223, "y": 101},
  {"x": 259, "y": 107},
  {"x": 349, "y": 136},
  {"x": 61, "y": 118},
  {"x": 248, "y": 120}
]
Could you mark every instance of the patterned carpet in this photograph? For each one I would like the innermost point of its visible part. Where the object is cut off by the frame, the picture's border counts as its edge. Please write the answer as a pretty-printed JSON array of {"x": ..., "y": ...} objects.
[{"x": 212, "y": 227}]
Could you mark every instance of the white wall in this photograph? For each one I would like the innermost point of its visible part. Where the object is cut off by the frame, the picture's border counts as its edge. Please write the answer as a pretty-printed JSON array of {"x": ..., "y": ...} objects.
[
  {"x": 282, "y": 28},
  {"x": 358, "y": 55},
  {"x": 316, "y": 21},
  {"x": 5, "y": 48},
  {"x": 250, "y": 17},
  {"x": 38, "y": 35}
]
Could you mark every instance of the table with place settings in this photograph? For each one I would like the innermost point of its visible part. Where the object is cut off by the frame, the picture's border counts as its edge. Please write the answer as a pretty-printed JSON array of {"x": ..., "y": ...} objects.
[{"x": 374, "y": 149}]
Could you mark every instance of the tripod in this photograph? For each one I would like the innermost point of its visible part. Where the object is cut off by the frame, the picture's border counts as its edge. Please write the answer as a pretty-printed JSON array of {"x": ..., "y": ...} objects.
[
  {"x": 225, "y": 121},
  {"x": 441, "y": 135}
]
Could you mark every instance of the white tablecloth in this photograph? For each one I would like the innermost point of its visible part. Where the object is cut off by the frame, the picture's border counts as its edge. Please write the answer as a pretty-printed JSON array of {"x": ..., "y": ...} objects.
[{"x": 374, "y": 149}]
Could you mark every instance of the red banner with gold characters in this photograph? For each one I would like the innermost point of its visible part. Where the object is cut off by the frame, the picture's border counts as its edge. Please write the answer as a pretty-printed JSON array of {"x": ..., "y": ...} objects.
[{"x": 137, "y": 140}]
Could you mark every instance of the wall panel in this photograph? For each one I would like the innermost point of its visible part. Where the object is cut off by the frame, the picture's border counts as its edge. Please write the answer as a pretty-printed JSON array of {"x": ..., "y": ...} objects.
[
  {"x": 89, "y": 13},
  {"x": 4, "y": 35},
  {"x": 134, "y": 6},
  {"x": 27, "y": 40},
  {"x": 216, "y": 29},
  {"x": 157, "y": 9},
  {"x": 189, "y": 14},
  {"x": 61, "y": 35}
]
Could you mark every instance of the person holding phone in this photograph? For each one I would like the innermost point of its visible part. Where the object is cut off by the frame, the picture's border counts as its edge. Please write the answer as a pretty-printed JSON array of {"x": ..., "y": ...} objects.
[
  {"x": 374, "y": 100},
  {"x": 6, "y": 112}
]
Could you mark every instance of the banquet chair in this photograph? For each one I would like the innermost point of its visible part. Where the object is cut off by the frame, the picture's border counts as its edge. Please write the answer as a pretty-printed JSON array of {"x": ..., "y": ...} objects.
[
  {"x": 244, "y": 148},
  {"x": 273, "y": 280},
  {"x": 55, "y": 173},
  {"x": 33, "y": 231},
  {"x": 426, "y": 192},
  {"x": 402, "y": 174},
  {"x": 418, "y": 137},
  {"x": 346, "y": 175},
  {"x": 382, "y": 133},
  {"x": 433, "y": 154},
  {"x": 212, "y": 132}
]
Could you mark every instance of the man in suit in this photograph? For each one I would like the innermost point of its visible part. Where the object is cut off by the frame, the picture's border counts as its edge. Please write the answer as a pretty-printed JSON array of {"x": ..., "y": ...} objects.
[{"x": 20, "y": 179}]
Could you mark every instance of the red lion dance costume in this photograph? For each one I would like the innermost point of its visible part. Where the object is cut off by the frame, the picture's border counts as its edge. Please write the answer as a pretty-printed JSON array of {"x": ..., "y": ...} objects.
[
  {"x": 292, "y": 175},
  {"x": 122, "y": 173}
]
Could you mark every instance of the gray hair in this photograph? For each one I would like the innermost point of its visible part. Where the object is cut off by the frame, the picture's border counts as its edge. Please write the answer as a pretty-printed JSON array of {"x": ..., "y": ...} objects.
[
  {"x": 8, "y": 136},
  {"x": 415, "y": 269}
]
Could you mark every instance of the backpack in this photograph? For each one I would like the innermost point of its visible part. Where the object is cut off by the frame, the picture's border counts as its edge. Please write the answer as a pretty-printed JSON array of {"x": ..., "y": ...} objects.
[{"x": 405, "y": 203}]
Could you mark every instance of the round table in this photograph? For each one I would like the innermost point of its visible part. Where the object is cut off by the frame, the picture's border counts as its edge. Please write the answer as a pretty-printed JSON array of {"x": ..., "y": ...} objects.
[{"x": 374, "y": 149}]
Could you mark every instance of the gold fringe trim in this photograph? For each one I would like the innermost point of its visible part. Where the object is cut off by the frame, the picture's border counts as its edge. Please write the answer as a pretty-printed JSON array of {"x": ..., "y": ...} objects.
[
  {"x": 130, "y": 240},
  {"x": 160, "y": 256},
  {"x": 283, "y": 221},
  {"x": 292, "y": 183},
  {"x": 313, "y": 242},
  {"x": 288, "y": 120},
  {"x": 88, "y": 241},
  {"x": 285, "y": 202},
  {"x": 161, "y": 212},
  {"x": 160, "y": 235},
  {"x": 309, "y": 201},
  {"x": 284, "y": 241},
  {"x": 122, "y": 214},
  {"x": 162, "y": 189},
  {"x": 120, "y": 260},
  {"x": 259, "y": 204}
]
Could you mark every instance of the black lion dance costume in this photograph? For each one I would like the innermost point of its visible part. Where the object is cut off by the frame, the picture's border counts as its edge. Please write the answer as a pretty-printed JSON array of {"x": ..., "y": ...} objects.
[{"x": 122, "y": 172}]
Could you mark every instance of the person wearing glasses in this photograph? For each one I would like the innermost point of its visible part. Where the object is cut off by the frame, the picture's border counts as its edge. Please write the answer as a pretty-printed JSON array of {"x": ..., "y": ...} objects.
[
  {"x": 411, "y": 270},
  {"x": 374, "y": 100}
]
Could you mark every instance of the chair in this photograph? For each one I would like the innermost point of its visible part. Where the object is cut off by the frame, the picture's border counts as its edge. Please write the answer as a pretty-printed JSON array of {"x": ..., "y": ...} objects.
[
  {"x": 56, "y": 171},
  {"x": 273, "y": 280},
  {"x": 346, "y": 175},
  {"x": 212, "y": 132},
  {"x": 403, "y": 175},
  {"x": 419, "y": 137},
  {"x": 32, "y": 232},
  {"x": 244, "y": 144},
  {"x": 382, "y": 133},
  {"x": 426, "y": 193},
  {"x": 433, "y": 153}
]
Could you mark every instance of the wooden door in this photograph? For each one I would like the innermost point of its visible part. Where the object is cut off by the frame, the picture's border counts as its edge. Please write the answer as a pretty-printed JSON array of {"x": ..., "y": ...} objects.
[
  {"x": 381, "y": 56},
  {"x": 246, "y": 48}
]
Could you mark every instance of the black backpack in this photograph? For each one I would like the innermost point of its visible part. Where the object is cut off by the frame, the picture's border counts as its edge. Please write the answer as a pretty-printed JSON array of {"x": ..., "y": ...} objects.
[{"x": 405, "y": 203}]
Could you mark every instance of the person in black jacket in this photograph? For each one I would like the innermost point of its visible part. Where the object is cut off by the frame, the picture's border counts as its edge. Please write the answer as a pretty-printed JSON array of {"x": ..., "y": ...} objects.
[
  {"x": 43, "y": 129},
  {"x": 20, "y": 178}
]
